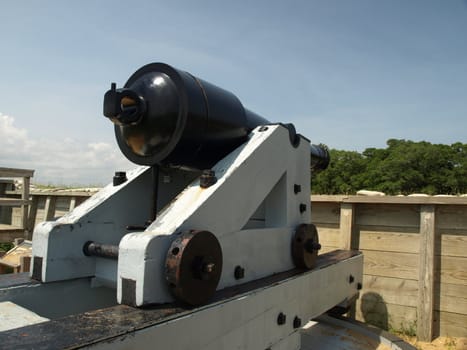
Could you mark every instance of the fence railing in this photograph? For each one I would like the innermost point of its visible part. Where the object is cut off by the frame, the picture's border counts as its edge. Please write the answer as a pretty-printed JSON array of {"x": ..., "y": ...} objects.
[{"x": 415, "y": 258}]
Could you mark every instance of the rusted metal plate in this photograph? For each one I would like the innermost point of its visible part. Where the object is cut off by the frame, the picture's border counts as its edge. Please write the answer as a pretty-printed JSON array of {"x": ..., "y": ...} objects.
[
  {"x": 305, "y": 246},
  {"x": 194, "y": 266}
]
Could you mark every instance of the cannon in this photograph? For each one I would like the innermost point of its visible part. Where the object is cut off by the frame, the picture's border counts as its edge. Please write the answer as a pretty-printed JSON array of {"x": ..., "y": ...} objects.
[
  {"x": 212, "y": 228},
  {"x": 167, "y": 116}
]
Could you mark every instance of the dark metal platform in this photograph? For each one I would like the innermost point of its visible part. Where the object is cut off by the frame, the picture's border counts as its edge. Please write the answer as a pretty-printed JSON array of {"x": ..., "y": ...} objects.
[{"x": 76, "y": 331}]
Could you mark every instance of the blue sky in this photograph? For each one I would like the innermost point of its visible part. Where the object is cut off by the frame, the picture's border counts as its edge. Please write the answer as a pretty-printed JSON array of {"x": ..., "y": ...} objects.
[{"x": 351, "y": 74}]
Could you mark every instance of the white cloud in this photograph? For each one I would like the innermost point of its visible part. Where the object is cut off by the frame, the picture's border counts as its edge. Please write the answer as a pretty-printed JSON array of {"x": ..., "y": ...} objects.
[{"x": 58, "y": 161}]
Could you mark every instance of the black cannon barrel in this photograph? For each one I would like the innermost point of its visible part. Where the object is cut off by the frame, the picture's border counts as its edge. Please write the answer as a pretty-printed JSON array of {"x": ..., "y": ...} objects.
[{"x": 167, "y": 116}]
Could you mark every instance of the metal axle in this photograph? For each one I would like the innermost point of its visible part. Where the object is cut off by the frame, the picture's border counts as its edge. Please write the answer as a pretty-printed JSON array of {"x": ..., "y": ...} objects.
[{"x": 107, "y": 251}]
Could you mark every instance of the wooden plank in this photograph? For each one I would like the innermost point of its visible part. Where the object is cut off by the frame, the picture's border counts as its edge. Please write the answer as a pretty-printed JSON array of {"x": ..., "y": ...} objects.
[
  {"x": 11, "y": 172},
  {"x": 372, "y": 310},
  {"x": 425, "y": 303},
  {"x": 72, "y": 203},
  {"x": 390, "y": 200},
  {"x": 13, "y": 202},
  {"x": 329, "y": 236},
  {"x": 9, "y": 235},
  {"x": 451, "y": 298},
  {"x": 388, "y": 215},
  {"x": 452, "y": 217},
  {"x": 326, "y": 249},
  {"x": 25, "y": 263},
  {"x": 389, "y": 241},
  {"x": 63, "y": 203},
  {"x": 391, "y": 264},
  {"x": 392, "y": 290},
  {"x": 79, "y": 194},
  {"x": 346, "y": 225},
  {"x": 25, "y": 208},
  {"x": 324, "y": 198},
  {"x": 32, "y": 214},
  {"x": 325, "y": 213},
  {"x": 451, "y": 324},
  {"x": 453, "y": 270},
  {"x": 49, "y": 208},
  {"x": 6, "y": 227},
  {"x": 452, "y": 244}
]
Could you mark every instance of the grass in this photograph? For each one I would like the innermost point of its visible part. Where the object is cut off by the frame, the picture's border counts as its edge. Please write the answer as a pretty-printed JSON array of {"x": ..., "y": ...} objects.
[
  {"x": 4, "y": 247},
  {"x": 450, "y": 343}
]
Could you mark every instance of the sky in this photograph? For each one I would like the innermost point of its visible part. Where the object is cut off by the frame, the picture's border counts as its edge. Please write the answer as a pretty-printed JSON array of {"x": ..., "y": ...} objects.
[{"x": 350, "y": 74}]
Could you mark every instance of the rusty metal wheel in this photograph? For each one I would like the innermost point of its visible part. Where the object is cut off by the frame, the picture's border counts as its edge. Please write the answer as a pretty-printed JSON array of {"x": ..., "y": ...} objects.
[
  {"x": 305, "y": 246},
  {"x": 193, "y": 266}
]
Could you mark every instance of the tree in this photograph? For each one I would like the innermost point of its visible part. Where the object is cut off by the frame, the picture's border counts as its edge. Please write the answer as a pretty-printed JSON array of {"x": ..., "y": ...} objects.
[
  {"x": 403, "y": 167},
  {"x": 343, "y": 174}
]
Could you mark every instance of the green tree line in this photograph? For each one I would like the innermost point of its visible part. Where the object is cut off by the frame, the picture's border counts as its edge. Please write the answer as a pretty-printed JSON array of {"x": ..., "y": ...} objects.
[{"x": 403, "y": 167}]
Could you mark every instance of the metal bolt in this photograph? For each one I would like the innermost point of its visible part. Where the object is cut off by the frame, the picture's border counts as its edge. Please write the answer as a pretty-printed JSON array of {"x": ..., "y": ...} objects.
[
  {"x": 209, "y": 267},
  {"x": 311, "y": 246},
  {"x": 302, "y": 208},
  {"x": 119, "y": 178},
  {"x": 297, "y": 322},
  {"x": 351, "y": 279},
  {"x": 297, "y": 189},
  {"x": 281, "y": 318},
  {"x": 207, "y": 178},
  {"x": 239, "y": 272}
]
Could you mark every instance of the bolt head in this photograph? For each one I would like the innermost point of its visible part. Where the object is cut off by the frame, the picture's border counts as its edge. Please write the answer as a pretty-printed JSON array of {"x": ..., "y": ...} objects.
[
  {"x": 297, "y": 322},
  {"x": 239, "y": 272},
  {"x": 302, "y": 208},
  {"x": 297, "y": 189},
  {"x": 209, "y": 267},
  {"x": 281, "y": 319}
]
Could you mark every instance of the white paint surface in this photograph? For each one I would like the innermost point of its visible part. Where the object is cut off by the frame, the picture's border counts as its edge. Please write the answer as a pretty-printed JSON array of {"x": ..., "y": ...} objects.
[{"x": 14, "y": 316}]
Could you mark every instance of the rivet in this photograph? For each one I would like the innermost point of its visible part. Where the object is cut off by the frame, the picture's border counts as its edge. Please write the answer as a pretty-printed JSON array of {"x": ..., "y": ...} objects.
[
  {"x": 239, "y": 272},
  {"x": 281, "y": 318},
  {"x": 207, "y": 178},
  {"x": 119, "y": 178},
  {"x": 297, "y": 188}
]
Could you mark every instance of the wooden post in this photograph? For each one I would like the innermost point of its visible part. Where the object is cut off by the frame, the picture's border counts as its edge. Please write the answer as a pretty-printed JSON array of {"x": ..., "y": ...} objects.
[
  {"x": 72, "y": 203},
  {"x": 25, "y": 197},
  {"x": 426, "y": 273},
  {"x": 25, "y": 206},
  {"x": 346, "y": 232},
  {"x": 32, "y": 215},
  {"x": 49, "y": 209},
  {"x": 346, "y": 224}
]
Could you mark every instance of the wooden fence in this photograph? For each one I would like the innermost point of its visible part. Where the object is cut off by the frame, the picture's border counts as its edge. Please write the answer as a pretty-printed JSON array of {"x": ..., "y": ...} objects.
[
  {"x": 415, "y": 254},
  {"x": 20, "y": 229},
  {"x": 415, "y": 258},
  {"x": 43, "y": 206}
]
